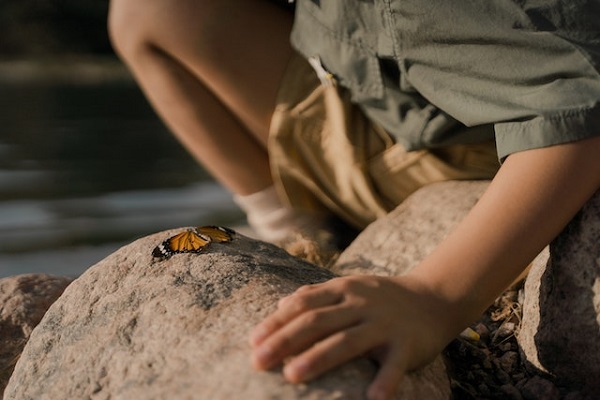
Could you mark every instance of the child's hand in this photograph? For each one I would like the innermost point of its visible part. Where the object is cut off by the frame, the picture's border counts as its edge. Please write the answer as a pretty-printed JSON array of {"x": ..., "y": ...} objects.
[{"x": 321, "y": 326}]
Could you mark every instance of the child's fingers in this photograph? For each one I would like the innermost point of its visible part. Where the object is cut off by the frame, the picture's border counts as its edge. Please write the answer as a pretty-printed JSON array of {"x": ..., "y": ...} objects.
[
  {"x": 327, "y": 354},
  {"x": 290, "y": 307},
  {"x": 389, "y": 376},
  {"x": 309, "y": 296},
  {"x": 301, "y": 333}
]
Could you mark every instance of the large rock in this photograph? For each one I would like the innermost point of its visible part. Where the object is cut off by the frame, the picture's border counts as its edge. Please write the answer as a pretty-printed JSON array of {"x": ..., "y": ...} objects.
[
  {"x": 135, "y": 327},
  {"x": 560, "y": 333},
  {"x": 24, "y": 299}
]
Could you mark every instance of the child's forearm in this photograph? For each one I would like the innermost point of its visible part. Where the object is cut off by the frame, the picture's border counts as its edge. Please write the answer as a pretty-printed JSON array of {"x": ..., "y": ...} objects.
[
  {"x": 406, "y": 321},
  {"x": 531, "y": 199}
]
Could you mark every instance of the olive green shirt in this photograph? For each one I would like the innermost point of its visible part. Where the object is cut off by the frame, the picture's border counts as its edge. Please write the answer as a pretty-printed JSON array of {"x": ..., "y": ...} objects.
[{"x": 421, "y": 67}]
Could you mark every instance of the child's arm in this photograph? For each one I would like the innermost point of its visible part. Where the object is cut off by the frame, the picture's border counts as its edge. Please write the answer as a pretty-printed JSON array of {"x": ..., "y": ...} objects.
[{"x": 406, "y": 321}]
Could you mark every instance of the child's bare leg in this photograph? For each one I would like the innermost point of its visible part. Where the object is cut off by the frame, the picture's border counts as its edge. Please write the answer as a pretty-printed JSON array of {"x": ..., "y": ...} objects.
[{"x": 211, "y": 69}]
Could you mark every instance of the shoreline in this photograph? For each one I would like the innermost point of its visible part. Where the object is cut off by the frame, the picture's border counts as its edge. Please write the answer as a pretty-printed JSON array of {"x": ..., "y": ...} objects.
[{"x": 68, "y": 69}]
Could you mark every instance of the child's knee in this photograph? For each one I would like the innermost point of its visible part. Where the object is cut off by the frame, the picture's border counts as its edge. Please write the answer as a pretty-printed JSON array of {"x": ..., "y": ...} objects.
[
  {"x": 129, "y": 22},
  {"x": 136, "y": 26}
]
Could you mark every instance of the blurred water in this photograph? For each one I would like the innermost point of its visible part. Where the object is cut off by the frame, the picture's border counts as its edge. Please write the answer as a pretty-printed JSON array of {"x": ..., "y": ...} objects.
[{"x": 87, "y": 168}]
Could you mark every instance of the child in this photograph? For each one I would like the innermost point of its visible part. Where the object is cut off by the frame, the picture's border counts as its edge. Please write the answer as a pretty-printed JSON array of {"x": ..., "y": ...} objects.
[{"x": 404, "y": 93}]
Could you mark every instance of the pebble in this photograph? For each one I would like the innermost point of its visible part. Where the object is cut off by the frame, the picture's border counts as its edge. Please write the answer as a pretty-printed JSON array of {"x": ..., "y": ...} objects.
[
  {"x": 483, "y": 331},
  {"x": 503, "y": 377},
  {"x": 575, "y": 396},
  {"x": 479, "y": 354},
  {"x": 508, "y": 346},
  {"x": 521, "y": 383},
  {"x": 518, "y": 376},
  {"x": 511, "y": 392},
  {"x": 505, "y": 330},
  {"x": 483, "y": 389},
  {"x": 486, "y": 364},
  {"x": 480, "y": 374},
  {"x": 539, "y": 388},
  {"x": 509, "y": 360}
]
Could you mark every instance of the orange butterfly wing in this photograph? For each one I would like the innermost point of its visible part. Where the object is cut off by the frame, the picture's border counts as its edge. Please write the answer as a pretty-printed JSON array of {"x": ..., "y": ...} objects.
[
  {"x": 193, "y": 240},
  {"x": 218, "y": 234},
  {"x": 189, "y": 241}
]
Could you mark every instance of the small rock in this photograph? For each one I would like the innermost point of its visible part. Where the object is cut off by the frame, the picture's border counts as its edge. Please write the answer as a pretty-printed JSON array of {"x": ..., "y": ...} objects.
[
  {"x": 517, "y": 377},
  {"x": 490, "y": 382},
  {"x": 483, "y": 331},
  {"x": 509, "y": 360},
  {"x": 505, "y": 330},
  {"x": 539, "y": 388},
  {"x": 576, "y": 396},
  {"x": 481, "y": 374},
  {"x": 511, "y": 392},
  {"x": 508, "y": 346},
  {"x": 503, "y": 377},
  {"x": 478, "y": 354},
  {"x": 483, "y": 389},
  {"x": 487, "y": 364},
  {"x": 521, "y": 383},
  {"x": 24, "y": 299}
]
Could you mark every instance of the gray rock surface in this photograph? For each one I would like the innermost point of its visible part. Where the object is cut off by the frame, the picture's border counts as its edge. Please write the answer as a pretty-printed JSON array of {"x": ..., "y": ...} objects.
[
  {"x": 560, "y": 333},
  {"x": 135, "y": 327},
  {"x": 24, "y": 299}
]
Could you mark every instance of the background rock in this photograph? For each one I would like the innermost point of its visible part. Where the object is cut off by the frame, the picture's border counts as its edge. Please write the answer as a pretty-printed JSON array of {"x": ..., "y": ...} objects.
[
  {"x": 561, "y": 317},
  {"x": 569, "y": 343},
  {"x": 24, "y": 299},
  {"x": 136, "y": 327}
]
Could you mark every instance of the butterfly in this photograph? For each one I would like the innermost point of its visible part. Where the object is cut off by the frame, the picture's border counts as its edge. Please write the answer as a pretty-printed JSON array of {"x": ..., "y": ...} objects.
[
  {"x": 193, "y": 240},
  {"x": 218, "y": 234}
]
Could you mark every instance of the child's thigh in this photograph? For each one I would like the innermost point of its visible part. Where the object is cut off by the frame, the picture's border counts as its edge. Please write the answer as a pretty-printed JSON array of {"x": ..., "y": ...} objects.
[{"x": 238, "y": 49}]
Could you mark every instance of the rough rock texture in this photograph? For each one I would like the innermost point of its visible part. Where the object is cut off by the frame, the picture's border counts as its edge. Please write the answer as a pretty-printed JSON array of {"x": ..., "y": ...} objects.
[
  {"x": 561, "y": 317},
  {"x": 531, "y": 310},
  {"x": 492, "y": 367},
  {"x": 134, "y": 327},
  {"x": 137, "y": 327},
  {"x": 24, "y": 299}
]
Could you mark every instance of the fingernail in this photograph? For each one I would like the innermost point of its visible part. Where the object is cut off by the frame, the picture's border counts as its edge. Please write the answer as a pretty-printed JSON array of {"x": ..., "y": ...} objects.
[
  {"x": 296, "y": 371},
  {"x": 257, "y": 335},
  {"x": 261, "y": 357}
]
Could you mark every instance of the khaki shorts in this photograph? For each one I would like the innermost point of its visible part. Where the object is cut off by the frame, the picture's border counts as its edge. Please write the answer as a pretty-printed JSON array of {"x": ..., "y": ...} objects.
[{"x": 327, "y": 156}]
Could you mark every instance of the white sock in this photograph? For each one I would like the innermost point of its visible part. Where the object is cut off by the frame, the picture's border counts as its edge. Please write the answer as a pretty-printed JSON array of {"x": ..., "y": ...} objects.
[{"x": 270, "y": 218}]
